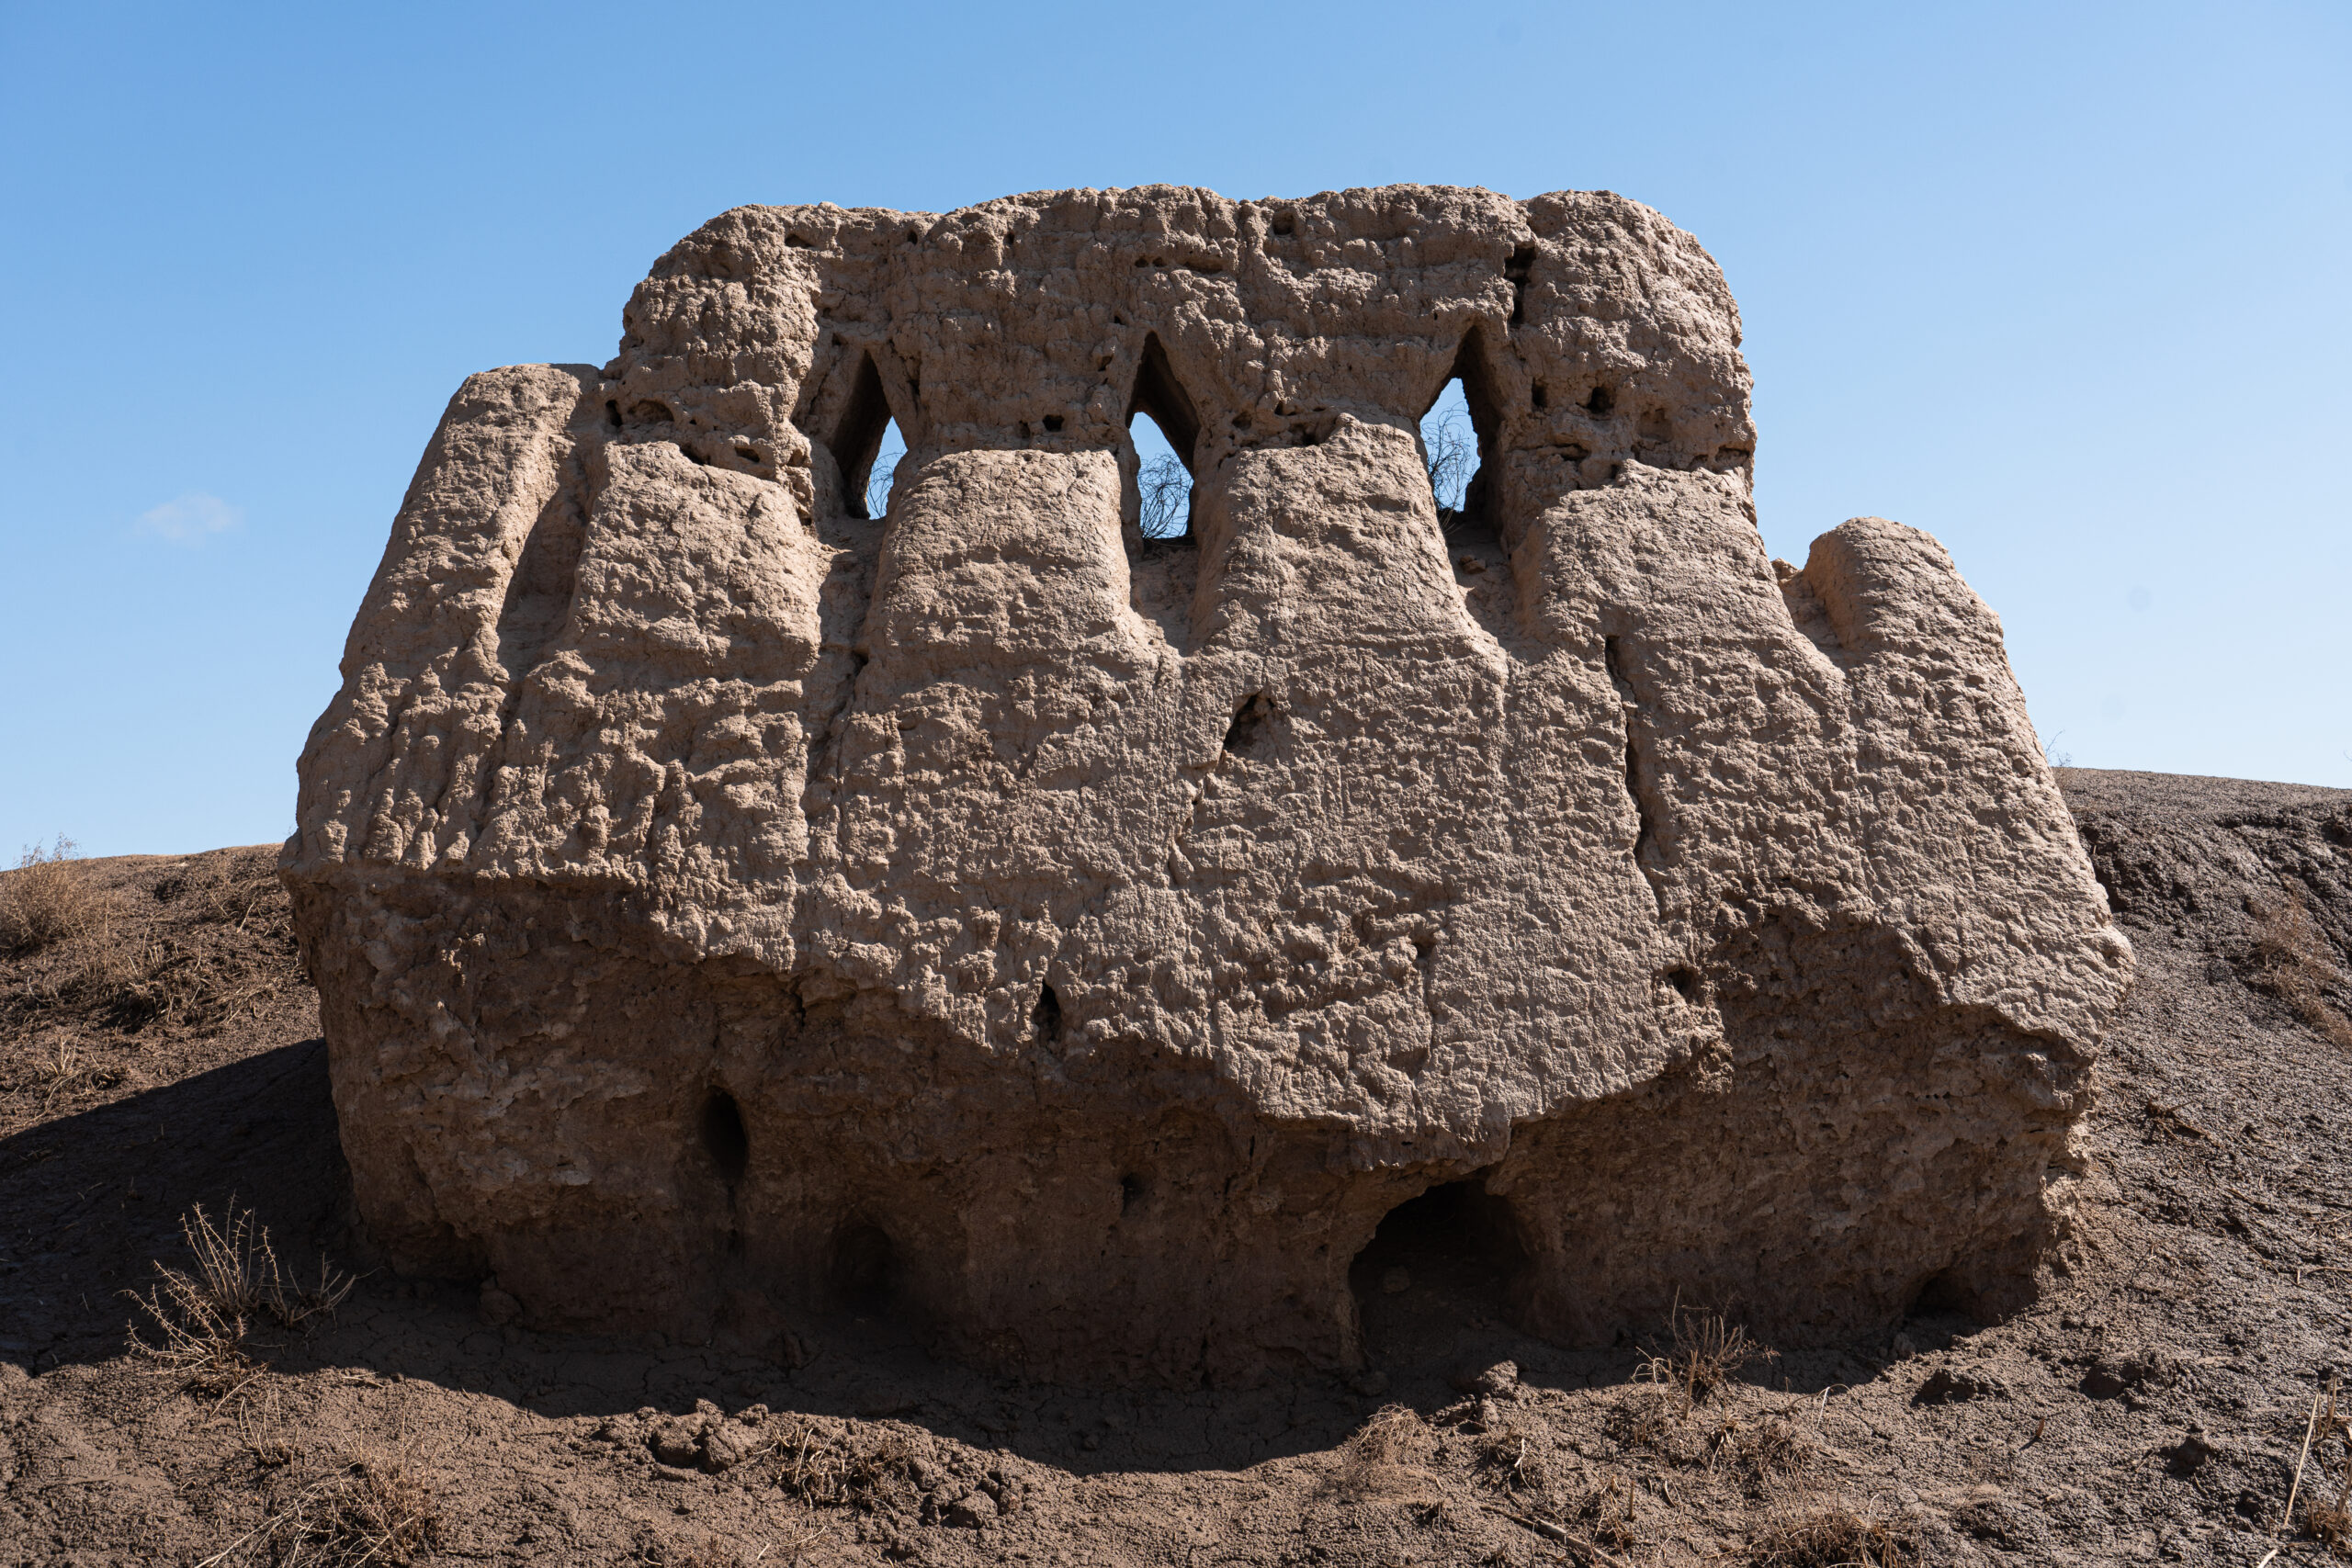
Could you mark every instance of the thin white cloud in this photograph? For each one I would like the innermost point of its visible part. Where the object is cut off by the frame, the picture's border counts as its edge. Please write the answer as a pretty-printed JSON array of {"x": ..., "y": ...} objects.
[{"x": 191, "y": 519}]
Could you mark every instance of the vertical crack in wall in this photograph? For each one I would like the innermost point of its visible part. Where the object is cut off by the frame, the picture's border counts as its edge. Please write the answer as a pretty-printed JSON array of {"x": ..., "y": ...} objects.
[{"x": 1646, "y": 822}]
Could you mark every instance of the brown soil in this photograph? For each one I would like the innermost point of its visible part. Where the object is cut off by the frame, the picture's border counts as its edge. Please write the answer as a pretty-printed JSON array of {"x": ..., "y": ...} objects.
[{"x": 2151, "y": 1405}]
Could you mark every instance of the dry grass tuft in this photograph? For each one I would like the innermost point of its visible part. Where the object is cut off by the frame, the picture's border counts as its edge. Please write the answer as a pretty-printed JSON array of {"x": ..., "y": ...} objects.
[
  {"x": 2328, "y": 1518},
  {"x": 201, "y": 1321},
  {"x": 2295, "y": 962},
  {"x": 227, "y": 945},
  {"x": 824, "y": 1470},
  {"x": 48, "y": 900},
  {"x": 373, "y": 1511},
  {"x": 1708, "y": 1352},
  {"x": 1833, "y": 1537},
  {"x": 1763, "y": 1456},
  {"x": 235, "y": 953},
  {"x": 1379, "y": 1457},
  {"x": 782, "y": 1553},
  {"x": 1706, "y": 1356},
  {"x": 1606, "y": 1511},
  {"x": 1504, "y": 1461},
  {"x": 2329, "y": 1522}
]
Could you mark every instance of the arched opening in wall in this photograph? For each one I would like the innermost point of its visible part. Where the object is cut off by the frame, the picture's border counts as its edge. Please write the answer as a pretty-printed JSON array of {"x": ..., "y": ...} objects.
[
  {"x": 858, "y": 438},
  {"x": 1163, "y": 483},
  {"x": 724, "y": 1137},
  {"x": 1440, "y": 1264},
  {"x": 865, "y": 1271},
  {"x": 1459, "y": 436},
  {"x": 884, "y": 470},
  {"x": 1449, "y": 451},
  {"x": 1167, "y": 442}
]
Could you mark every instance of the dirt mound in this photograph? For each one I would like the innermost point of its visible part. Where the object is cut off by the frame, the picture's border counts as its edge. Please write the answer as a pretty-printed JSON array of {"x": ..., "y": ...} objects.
[{"x": 2153, "y": 1404}]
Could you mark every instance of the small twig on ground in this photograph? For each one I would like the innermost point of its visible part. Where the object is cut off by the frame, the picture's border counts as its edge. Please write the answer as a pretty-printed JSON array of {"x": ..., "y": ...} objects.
[{"x": 2309, "y": 1427}]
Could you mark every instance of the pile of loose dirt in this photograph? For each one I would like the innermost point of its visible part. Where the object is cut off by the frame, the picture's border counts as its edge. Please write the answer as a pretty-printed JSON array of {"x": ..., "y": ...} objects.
[{"x": 2154, "y": 1405}]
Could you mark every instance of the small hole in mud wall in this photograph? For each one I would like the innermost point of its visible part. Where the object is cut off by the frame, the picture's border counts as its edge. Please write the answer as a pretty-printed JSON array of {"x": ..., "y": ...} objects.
[
  {"x": 1941, "y": 1296},
  {"x": 1131, "y": 1191},
  {"x": 1249, "y": 723},
  {"x": 865, "y": 1274},
  {"x": 1441, "y": 1263},
  {"x": 1516, "y": 272},
  {"x": 723, "y": 1137},
  {"x": 1045, "y": 1021},
  {"x": 1602, "y": 403}
]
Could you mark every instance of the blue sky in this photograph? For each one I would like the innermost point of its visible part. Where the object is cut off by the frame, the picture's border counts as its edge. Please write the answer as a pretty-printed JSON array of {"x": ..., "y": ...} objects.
[{"x": 2064, "y": 284}]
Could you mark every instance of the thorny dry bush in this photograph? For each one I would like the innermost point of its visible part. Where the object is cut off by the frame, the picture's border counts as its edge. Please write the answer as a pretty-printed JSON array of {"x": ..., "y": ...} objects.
[
  {"x": 47, "y": 899},
  {"x": 2294, "y": 961},
  {"x": 1451, "y": 455},
  {"x": 200, "y": 1323},
  {"x": 1709, "y": 1350},
  {"x": 372, "y": 1510}
]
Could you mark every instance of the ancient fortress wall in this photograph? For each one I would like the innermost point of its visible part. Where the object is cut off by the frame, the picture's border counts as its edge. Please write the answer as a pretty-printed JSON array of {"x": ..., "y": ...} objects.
[{"x": 727, "y": 905}]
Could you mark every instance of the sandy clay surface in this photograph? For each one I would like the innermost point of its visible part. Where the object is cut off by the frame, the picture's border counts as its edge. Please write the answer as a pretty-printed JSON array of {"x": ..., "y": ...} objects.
[{"x": 2154, "y": 1405}]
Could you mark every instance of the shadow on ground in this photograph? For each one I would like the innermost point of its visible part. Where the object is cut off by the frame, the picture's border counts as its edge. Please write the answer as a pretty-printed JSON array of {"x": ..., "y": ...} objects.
[{"x": 93, "y": 1200}]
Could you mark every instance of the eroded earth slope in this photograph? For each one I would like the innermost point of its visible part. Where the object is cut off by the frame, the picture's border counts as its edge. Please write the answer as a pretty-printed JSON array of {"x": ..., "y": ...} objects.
[{"x": 2150, "y": 1405}]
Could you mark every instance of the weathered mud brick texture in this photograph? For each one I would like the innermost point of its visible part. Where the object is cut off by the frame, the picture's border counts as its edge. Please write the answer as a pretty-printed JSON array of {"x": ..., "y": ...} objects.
[{"x": 728, "y": 906}]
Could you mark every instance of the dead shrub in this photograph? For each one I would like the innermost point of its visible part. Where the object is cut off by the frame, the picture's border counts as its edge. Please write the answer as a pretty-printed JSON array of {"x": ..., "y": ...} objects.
[
  {"x": 2294, "y": 961},
  {"x": 372, "y": 1511},
  {"x": 200, "y": 1322},
  {"x": 1833, "y": 1537},
  {"x": 48, "y": 900},
  {"x": 716, "y": 1553}
]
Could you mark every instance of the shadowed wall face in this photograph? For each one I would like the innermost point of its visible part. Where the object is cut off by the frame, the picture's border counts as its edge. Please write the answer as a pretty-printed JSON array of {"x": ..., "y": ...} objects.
[{"x": 727, "y": 904}]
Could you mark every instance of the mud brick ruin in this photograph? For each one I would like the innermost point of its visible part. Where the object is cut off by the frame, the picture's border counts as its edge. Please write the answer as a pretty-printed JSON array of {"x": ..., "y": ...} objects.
[{"x": 728, "y": 906}]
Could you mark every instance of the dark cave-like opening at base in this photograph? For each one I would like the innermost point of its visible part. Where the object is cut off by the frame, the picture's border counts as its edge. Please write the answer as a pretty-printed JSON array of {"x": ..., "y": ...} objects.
[{"x": 1445, "y": 1262}]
